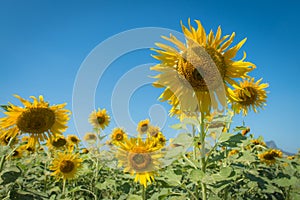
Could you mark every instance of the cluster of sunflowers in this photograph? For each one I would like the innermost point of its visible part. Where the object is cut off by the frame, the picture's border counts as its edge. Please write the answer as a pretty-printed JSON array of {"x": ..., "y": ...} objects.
[
  {"x": 197, "y": 76},
  {"x": 201, "y": 74}
]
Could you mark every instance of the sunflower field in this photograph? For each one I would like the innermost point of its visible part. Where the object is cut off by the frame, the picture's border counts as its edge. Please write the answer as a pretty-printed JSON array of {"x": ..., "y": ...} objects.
[{"x": 208, "y": 158}]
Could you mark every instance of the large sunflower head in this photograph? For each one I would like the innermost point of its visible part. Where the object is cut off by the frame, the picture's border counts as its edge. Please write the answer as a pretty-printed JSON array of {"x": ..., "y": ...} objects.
[
  {"x": 139, "y": 158},
  {"x": 118, "y": 135},
  {"x": 99, "y": 119},
  {"x": 269, "y": 157},
  {"x": 37, "y": 118},
  {"x": 197, "y": 73},
  {"x": 65, "y": 165},
  {"x": 248, "y": 94}
]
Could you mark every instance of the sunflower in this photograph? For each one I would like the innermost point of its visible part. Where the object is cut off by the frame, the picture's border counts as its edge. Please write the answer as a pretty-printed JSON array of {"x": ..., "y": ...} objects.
[
  {"x": 90, "y": 137},
  {"x": 4, "y": 141},
  {"x": 118, "y": 135},
  {"x": 65, "y": 165},
  {"x": 157, "y": 140},
  {"x": 57, "y": 143},
  {"x": 143, "y": 126},
  {"x": 248, "y": 94},
  {"x": 139, "y": 158},
  {"x": 17, "y": 153},
  {"x": 194, "y": 75},
  {"x": 269, "y": 157},
  {"x": 73, "y": 139},
  {"x": 40, "y": 120},
  {"x": 233, "y": 152},
  {"x": 99, "y": 119}
]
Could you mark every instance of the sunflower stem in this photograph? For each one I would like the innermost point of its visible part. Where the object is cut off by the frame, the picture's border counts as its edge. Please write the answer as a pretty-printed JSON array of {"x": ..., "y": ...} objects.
[
  {"x": 143, "y": 192},
  {"x": 64, "y": 187},
  {"x": 203, "y": 160},
  {"x": 2, "y": 161}
]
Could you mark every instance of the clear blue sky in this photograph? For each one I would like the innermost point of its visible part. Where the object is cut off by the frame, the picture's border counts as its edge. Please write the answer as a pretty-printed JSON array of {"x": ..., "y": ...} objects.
[{"x": 43, "y": 43}]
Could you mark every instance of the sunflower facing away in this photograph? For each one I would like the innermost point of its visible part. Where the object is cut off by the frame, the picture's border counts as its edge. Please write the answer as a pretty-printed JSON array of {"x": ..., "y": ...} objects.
[
  {"x": 194, "y": 75},
  {"x": 66, "y": 165},
  {"x": 139, "y": 158},
  {"x": 90, "y": 137},
  {"x": 269, "y": 157},
  {"x": 40, "y": 120},
  {"x": 99, "y": 119},
  {"x": 248, "y": 94},
  {"x": 143, "y": 126}
]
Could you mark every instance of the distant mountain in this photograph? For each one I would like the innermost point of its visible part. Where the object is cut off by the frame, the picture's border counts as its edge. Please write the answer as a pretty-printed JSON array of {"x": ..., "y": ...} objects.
[{"x": 271, "y": 144}]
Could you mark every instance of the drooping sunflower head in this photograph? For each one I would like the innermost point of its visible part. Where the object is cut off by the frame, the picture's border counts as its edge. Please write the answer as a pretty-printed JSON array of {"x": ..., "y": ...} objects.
[
  {"x": 194, "y": 72},
  {"x": 73, "y": 139},
  {"x": 269, "y": 157},
  {"x": 153, "y": 131},
  {"x": 99, "y": 119},
  {"x": 90, "y": 137},
  {"x": 137, "y": 157},
  {"x": 37, "y": 118},
  {"x": 143, "y": 126},
  {"x": 65, "y": 165},
  {"x": 118, "y": 135},
  {"x": 248, "y": 95},
  {"x": 57, "y": 143}
]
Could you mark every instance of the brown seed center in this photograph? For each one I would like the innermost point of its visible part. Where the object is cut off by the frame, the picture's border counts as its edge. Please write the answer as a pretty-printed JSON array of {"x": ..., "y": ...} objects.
[
  {"x": 36, "y": 120},
  {"x": 202, "y": 68},
  {"x": 66, "y": 166}
]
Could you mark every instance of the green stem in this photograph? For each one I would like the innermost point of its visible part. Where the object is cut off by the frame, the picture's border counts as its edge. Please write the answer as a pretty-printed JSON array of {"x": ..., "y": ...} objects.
[
  {"x": 143, "y": 193},
  {"x": 203, "y": 161},
  {"x": 194, "y": 148},
  {"x": 64, "y": 187},
  {"x": 2, "y": 161}
]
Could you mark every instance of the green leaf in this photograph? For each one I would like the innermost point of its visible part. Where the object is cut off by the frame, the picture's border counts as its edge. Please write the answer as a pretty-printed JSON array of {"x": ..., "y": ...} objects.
[
  {"x": 172, "y": 178},
  {"x": 184, "y": 139},
  {"x": 225, "y": 172},
  {"x": 10, "y": 175},
  {"x": 224, "y": 137},
  {"x": 282, "y": 182},
  {"x": 208, "y": 179},
  {"x": 134, "y": 197},
  {"x": 178, "y": 126},
  {"x": 196, "y": 175}
]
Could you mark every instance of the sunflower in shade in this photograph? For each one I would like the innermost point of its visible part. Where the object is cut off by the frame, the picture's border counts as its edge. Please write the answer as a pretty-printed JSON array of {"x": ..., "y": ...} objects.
[
  {"x": 197, "y": 74},
  {"x": 248, "y": 95},
  {"x": 139, "y": 158},
  {"x": 65, "y": 165},
  {"x": 99, "y": 119},
  {"x": 40, "y": 120}
]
